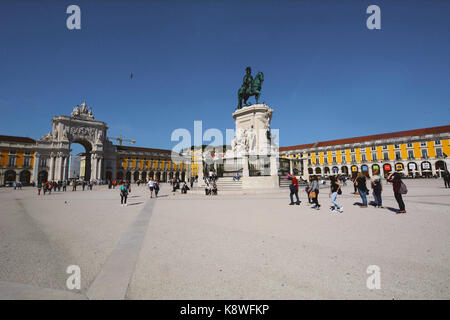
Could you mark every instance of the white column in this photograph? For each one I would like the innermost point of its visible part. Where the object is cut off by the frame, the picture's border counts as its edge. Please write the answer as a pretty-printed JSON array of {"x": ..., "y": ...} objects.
[
  {"x": 291, "y": 168},
  {"x": 59, "y": 167},
  {"x": 36, "y": 167},
  {"x": 99, "y": 168},
  {"x": 93, "y": 166},
  {"x": 65, "y": 164},
  {"x": 52, "y": 167}
]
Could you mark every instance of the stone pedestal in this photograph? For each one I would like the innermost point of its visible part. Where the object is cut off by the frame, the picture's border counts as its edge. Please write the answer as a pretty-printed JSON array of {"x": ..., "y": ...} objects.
[
  {"x": 252, "y": 125},
  {"x": 253, "y": 139}
]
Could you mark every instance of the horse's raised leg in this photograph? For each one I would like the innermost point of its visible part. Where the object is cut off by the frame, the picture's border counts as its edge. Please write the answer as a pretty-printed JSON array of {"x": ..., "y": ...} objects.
[{"x": 257, "y": 97}]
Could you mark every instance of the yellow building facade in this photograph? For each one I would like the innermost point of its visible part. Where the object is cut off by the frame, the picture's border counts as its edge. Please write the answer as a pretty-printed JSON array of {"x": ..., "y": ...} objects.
[{"x": 421, "y": 152}]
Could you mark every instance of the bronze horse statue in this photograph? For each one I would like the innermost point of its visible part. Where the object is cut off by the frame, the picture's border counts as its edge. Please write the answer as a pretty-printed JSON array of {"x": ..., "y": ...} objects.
[{"x": 253, "y": 90}]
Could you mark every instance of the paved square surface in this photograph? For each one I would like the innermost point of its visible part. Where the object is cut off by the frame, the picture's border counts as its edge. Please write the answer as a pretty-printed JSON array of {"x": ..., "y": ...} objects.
[{"x": 231, "y": 246}]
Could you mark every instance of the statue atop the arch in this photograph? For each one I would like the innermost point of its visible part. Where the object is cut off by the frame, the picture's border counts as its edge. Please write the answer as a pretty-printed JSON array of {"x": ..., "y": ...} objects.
[{"x": 82, "y": 111}]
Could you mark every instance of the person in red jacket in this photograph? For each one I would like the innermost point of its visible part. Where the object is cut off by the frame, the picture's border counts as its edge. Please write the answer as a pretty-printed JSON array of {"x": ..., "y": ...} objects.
[
  {"x": 294, "y": 190},
  {"x": 396, "y": 185}
]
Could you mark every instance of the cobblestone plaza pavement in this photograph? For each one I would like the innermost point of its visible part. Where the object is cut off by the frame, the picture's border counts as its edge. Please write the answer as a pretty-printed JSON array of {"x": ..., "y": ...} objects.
[{"x": 230, "y": 246}]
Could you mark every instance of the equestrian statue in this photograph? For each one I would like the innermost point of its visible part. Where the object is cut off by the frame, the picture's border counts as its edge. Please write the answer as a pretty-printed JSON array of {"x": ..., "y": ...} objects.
[{"x": 250, "y": 87}]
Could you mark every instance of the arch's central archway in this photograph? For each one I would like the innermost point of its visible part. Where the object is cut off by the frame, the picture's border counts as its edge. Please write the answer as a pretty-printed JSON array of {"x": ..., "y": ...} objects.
[{"x": 80, "y": 160}]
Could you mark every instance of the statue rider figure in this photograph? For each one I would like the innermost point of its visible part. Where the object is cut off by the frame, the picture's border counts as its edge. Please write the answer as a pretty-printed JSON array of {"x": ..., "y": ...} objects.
[
  {"x": 246, "y": 84},
  {"x": 248, "y": 79}
]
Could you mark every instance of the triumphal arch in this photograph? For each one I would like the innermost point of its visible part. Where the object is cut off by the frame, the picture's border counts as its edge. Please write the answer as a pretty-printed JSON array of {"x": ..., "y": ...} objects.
[{"x": 80, "y": 127}]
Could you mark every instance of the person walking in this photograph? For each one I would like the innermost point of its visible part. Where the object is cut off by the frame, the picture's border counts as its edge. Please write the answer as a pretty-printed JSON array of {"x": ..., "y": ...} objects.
[
  {"x": 64, "y": 185},
  {"x": 39, "y": 187},
  {"x": 294, "y": 190},
  {"x": 313, "y": 192},
  {"x": 355, "y": 187},
  {"x": 156, "y": 187},
  {"x": 123, "y": 194},
  {"x": 151, "y": 186},
  {"x": 360, "y": 183},
  {"x": 74, "y": 185},
  {"x": 335, "y": 189},
  {"x": 399, "y": 188},
  {"x": 446, "y": 177},
  {"x": 377, "y": 188}
]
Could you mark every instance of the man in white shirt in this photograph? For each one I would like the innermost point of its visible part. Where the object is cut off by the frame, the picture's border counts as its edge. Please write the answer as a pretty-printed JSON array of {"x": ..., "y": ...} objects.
[{"x": 151, "y": 186}]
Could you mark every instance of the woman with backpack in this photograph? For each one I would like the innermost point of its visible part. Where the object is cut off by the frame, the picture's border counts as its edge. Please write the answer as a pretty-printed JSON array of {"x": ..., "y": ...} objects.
[
  {"x": 399, "y": 189},
  {"x": 377, "y": 188},
  {"x": 313, "y": 192},
  {"x": 335, "y": 189},
  {"x": 123, "y": 194},
  {"x": 360, "y": 182}
]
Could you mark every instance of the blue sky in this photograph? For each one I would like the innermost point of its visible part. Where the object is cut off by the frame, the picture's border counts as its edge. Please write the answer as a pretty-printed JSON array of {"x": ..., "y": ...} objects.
[{"x": 326, "y": 75}]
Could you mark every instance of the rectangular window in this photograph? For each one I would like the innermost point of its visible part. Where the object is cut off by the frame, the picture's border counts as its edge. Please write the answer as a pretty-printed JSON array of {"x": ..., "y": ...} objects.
[
  {"x": 374, "y": 156},
  {"x": 26, "y": 162},
  {"x": 325, "y": 160},
  {"x": 437, "y": 142},
  {"x": 410, "y": 154},
  {"x": 385, "y": 156},
  {"x": 352, "y": 150},
  {"x": 397, "y": 146},
  {"x": 409, "y": 145},
  {"x": 424, "y": 153},
  {"x": 12, "y": 151},
  {"x": 438, "y": 152},
  {"x": 384, "y": 147},
  {"x": 12, "y": 161},
  {"x": 42, "y": 162},
  {"x": 27, "y": 153},
  {"x": 363, "y": 157},
  {"x": 334, "y": 160},
  {"x": 353, "y": 158},
  {"x": 423, "y": 144},
  {"x": 398, "y": 155},
  {"x": 309, "y": 162},
  {"x": 374, "y": 148}
]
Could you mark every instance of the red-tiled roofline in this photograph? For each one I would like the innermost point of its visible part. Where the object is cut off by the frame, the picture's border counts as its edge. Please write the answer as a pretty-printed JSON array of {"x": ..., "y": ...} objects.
[
  {"x": 17, "y": 139},
  {"x": 398, "y": 134}
]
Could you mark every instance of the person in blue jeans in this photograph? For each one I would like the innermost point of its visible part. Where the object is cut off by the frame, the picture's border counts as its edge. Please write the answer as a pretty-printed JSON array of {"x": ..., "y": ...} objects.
[
  {"x": 377, "y": 188},
  {"x": 334, "y": 189},
  {"x": 362, "y": 188}
]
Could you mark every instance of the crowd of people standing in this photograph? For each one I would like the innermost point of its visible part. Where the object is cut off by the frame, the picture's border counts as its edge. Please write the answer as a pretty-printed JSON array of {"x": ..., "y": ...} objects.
[{"x": 360, "y": 184}]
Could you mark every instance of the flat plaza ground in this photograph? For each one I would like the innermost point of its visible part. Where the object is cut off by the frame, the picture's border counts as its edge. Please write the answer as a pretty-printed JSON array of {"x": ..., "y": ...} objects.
[{"x": 232, "y": 246}]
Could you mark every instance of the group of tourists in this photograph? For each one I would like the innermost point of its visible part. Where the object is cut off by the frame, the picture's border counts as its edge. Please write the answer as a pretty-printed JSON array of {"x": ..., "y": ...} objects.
[
  {"x": 48, "y": 186},
  {"x": 17, "y": 185},
  {"x": 399, "y": 188},
  {"x": 210, "y": 187},
  {"x": 360, "y": 186}
]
